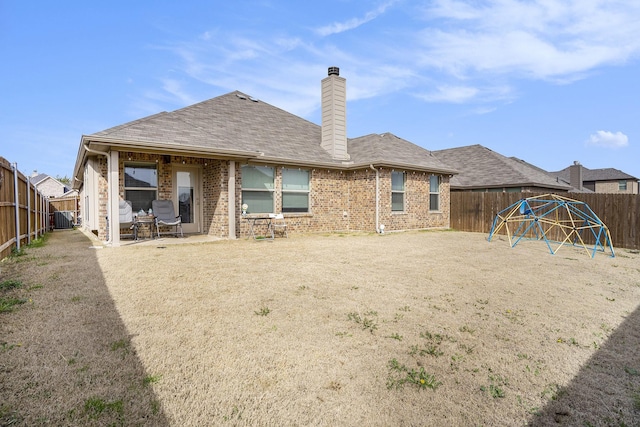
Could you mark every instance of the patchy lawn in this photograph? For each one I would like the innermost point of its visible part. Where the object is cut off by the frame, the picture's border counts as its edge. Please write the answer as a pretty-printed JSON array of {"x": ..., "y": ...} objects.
[{"x": 419, "y": 328}]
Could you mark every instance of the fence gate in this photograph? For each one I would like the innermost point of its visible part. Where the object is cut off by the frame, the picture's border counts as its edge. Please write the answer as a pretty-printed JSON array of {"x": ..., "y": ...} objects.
[
  {"x": 65, "y": 212},
  {"x": 62, "y": 219}
]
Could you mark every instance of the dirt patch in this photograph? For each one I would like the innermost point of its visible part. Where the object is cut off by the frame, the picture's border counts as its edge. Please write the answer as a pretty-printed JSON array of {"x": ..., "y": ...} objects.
[{"x": 438, "y": 328}]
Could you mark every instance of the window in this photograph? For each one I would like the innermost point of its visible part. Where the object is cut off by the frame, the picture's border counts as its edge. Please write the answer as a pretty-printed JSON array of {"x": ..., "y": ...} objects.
[
  {"x": 295, "y": 190},
  {"x": 140, "y": 185},
  {"x": 397, "y": 191},
  {"x": 434, "y": 193},
  {"x": 622, "y": 185},
  {"x": 257, "y": 188}
]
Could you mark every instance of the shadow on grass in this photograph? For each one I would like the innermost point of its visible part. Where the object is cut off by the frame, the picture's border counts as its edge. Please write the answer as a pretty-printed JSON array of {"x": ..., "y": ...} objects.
[
  {"x": 66, "y": 358},
  {"x": 606, "y": 391}
]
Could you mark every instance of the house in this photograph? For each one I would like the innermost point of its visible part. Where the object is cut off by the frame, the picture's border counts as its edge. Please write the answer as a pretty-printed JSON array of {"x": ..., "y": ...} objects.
[
  {"x": 49, "y": 186},
  {"x": 606, "y": 180},
  {"x": 214, "y": 157},
  {"x": 484, "y": 170}
]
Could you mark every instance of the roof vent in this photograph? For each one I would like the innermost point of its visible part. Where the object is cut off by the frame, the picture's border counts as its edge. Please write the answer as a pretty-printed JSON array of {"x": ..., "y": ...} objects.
[
  {"x": 241, "y": 96},
  {"x": 334, "y": 71}
]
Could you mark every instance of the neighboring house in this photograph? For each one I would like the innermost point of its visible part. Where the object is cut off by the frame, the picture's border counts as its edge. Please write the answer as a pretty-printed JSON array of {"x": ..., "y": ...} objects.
[
  {"x": 213, "y": 157},
  {"x": 50, "y": 187},
  {"x": 606, "y": 180},
  {"x": 483, "y": 170}
]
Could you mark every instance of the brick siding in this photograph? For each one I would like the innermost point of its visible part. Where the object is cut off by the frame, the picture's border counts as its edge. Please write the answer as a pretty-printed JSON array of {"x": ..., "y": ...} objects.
[
  {"x": 338, "y": 200},
  {"x": 613, "y": 187}
]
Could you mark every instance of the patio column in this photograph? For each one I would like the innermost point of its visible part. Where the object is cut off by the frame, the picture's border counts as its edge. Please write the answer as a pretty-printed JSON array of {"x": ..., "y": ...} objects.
[
  {"x": 231, "y": 191},
  {"x": 113, "y": 198}
]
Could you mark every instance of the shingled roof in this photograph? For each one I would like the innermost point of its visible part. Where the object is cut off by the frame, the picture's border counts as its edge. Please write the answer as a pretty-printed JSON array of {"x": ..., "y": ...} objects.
[
  {"x": 234, "y": 121},
  {"x": 606, "y": 174},
  {"x": 481, "y": 167},
  {"x": 388, "y": 149},
  {"x": 237, "y": 122}
]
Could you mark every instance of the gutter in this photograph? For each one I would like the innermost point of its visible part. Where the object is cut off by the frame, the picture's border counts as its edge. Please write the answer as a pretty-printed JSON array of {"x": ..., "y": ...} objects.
[
  {"x": 164, "y": 148},
  {"x": 348, "y": 166},
  {"x": 255, "y": 156}
]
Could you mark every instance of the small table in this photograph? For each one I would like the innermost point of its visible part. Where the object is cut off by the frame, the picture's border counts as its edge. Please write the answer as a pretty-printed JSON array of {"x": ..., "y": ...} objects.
[
  {"x": 260, "y": 219},
  {"x": 147, "y": 221}
]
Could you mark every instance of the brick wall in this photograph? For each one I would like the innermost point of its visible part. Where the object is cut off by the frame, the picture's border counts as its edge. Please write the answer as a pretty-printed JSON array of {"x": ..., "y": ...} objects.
[
  {"x": 417, "y": 213},
  {"x": 346, "y": 201},
  {"x": 613, "y": 187},
  {"x": 216, "y": 198},
  {"x": 51, "y": 188},
  {"x": 103, "y": 197},
  {"x": 338, "y": 200}
]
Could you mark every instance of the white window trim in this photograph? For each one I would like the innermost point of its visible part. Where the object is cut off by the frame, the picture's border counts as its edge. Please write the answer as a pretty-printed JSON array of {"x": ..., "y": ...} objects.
[
  {"x": 434, "y": 193},
  {"x": 261, "y": 190},
  {"x": 140, "y": 164},
  {"x": 283, "y": 192},
  {"x": 403, "y": 192}
]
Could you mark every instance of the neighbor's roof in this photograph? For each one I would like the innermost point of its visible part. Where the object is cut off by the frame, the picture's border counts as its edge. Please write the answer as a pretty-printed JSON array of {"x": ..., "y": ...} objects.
[
  {"x": 42, "y": 177},
  {"x": 606, "y": 174},
  {"x": 481, "y": 167},
  {"x": 240, "y": 126},
  {"x": 39, "y": 177}
]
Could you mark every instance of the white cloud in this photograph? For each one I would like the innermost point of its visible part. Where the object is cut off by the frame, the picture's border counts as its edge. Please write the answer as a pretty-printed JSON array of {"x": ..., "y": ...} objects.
[
  {"x": 462, "y": 94},
  {"x": 454, "y": 51},
  {"x": 340, "y": 27},
  {"x": 175, "y": 89},
  {"x": 539, "y": 39},
  {"x": 608, "y": 139},
  {"x": 452, "y": 94}
]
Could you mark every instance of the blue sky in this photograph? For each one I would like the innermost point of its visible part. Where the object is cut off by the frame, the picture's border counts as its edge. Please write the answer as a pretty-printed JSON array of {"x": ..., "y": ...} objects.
[{"x": 546, "y": 81}]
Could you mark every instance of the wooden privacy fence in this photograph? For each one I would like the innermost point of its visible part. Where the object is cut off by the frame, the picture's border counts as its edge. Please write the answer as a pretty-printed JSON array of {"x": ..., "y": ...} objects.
[
  {"x": 64, "y": 211},
  {"x": 24, "y": 211},
  {"x": 620, "y": 212}
]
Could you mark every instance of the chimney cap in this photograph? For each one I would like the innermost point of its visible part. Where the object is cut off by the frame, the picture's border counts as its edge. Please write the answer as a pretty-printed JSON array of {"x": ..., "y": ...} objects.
[{"x": 334, "y": 71}]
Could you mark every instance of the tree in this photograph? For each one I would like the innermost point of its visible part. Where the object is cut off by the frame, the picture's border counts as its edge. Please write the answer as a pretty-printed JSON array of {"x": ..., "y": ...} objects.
[{"x": 65, "y": 180}]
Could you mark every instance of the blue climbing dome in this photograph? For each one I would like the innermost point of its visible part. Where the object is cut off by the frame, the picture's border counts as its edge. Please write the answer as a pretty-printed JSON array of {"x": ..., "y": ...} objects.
[{"x": 555, "y": 219}]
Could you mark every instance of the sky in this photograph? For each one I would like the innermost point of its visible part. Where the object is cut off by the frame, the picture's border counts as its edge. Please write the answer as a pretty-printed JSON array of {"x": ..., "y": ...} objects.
[{"x": 550, "y": 82}]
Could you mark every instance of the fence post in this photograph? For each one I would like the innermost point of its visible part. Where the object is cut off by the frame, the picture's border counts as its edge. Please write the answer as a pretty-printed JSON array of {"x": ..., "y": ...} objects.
[
  {"x": 36, "y": 218},
  {"x": 29, "y": 210},
  {"x": 16, "y": 204}
]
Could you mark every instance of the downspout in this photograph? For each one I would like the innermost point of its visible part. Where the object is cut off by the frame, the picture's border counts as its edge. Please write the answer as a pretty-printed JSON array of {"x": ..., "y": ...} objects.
[
  {"x": 100, "y": 153},
  {"x": 377, "y": 198}
]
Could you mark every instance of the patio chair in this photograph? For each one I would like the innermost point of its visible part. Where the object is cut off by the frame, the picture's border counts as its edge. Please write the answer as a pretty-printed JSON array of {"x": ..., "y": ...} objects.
[
  {"x": 278, "y": 224},
  {"x": 165, "y": 215},
  {"x": 126, "y": 218}
]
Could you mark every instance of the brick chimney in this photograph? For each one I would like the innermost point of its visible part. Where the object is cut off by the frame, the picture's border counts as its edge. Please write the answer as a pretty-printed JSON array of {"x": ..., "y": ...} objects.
[
  {"x": 575, "y": 175},
  {"x": 334, "y": 115}
]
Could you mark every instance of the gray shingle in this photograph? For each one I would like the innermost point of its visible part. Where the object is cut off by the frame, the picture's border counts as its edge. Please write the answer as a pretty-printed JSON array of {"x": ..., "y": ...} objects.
[
  {"x": 389, "y": 149},
  {"x": 606, "y": 174},
  {"x": 481, "y": 167},
  {"x": 235, "y": 121},
  {"x": 229, "y": 122}
]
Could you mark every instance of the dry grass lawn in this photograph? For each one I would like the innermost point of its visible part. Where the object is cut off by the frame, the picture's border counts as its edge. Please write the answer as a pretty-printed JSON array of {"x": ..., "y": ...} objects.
[{"x": 419, "y": 328}]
